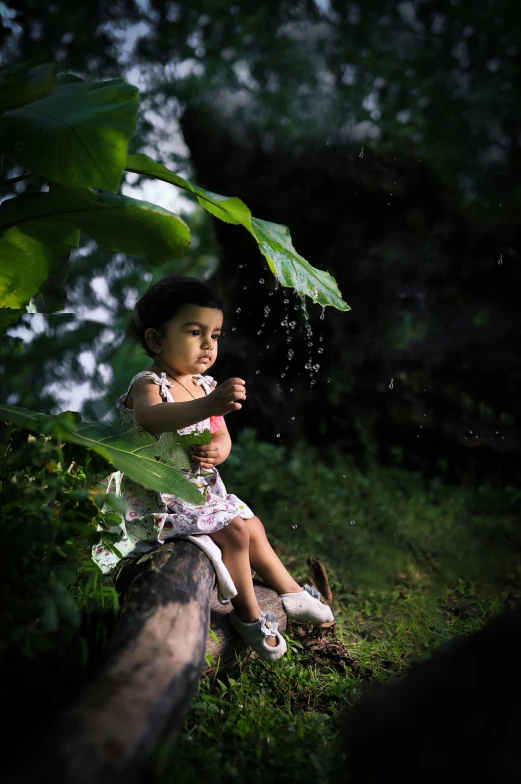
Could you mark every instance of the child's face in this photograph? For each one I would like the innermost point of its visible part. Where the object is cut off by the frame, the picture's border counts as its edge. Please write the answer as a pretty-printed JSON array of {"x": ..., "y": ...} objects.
[{"x": 189, "y": 344}]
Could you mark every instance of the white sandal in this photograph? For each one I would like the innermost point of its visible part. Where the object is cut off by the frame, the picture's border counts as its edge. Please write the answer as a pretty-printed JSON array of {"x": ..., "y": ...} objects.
[
  {"x": 306, "y": 606},
  {"x": 255, "y": 635}
]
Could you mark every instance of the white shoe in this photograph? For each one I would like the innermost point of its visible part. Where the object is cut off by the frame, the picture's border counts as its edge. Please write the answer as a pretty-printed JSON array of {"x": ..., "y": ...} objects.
[
  {"x": 306, "y": 606},
  {"x": 255, "y": 635}
]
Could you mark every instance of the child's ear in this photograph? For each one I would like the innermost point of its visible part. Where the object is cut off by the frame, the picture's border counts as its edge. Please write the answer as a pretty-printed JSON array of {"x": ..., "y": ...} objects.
[{"x": 153, "y": 340}]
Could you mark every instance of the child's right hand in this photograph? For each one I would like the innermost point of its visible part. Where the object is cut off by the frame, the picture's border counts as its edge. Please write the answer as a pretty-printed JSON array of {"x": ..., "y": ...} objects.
[{"x": 224, "y": 398}]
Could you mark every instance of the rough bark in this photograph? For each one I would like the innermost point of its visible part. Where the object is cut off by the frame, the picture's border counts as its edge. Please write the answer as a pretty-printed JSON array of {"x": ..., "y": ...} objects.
[{"x": 154, "y": 662}]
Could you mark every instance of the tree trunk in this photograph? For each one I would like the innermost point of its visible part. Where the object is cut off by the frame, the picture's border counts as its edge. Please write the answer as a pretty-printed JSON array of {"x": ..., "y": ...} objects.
[{"x": 154, "y": 662}]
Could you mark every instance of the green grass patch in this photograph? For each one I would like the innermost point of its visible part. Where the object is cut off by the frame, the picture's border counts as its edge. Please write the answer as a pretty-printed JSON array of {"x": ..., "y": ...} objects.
[{"x": 411, "y": 563}]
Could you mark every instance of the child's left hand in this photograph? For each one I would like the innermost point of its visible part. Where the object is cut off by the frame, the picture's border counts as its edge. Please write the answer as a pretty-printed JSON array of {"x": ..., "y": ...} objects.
[{"x": 207, "y": 455}]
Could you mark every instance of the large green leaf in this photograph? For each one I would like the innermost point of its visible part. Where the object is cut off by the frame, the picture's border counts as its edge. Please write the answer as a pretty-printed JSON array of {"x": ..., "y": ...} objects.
[
  {"x": 77, "y": 135},
  {"x": 273, "y": 239},
  {"x": 20, "y": 84},
  {"x": 115, "y": 222},
  {"x": 129, "y": 450},
  {"x": 27, "y": 253}
]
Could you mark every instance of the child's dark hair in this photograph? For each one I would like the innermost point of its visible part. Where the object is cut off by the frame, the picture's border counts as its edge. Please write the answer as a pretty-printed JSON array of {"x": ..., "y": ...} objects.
[{"x": 163, "y": 300}]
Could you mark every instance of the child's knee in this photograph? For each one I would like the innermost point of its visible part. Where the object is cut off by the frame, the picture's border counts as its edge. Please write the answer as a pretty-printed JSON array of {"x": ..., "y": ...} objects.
[{"x": 237, "y": 533}]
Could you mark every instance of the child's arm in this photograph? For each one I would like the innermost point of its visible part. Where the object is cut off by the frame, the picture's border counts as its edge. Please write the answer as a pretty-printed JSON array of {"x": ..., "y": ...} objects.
[
  {"x": 155, "y": 416},
  {"x": 216, "y": 452}
]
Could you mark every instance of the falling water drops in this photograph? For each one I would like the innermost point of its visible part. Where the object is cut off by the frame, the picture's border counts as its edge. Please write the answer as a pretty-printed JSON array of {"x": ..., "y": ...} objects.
[
  {"x": 234, "y": 329},
  {"x": 320, "y": 350},
  {"x": 266, "y": 311},
  {"x": 261, "y": 280},
  {"x": 353, "y": 522},
  {"x": 361, "y": 153},
  {"x": 322, "y": 314},
  {"x": 328, "y": 141},
  {"x": 293, "y": 526},
  {"x": 237, "y": 310},
  {"x": 257, "y": 372},
  {"x": 391, "y": 384},
  {"x": 500, "y": 259}
]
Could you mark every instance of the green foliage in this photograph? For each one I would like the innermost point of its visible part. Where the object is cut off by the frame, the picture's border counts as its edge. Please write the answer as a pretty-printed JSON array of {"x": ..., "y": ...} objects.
[
  {"x": 115, "y": 222},
  {"x": 87, "y": 128},
  {"x": 375, "y": 523},
  {"x": 154, "y": 464},
  {"x": 48, "y": 526},
  {"x": 274, "y": 240}
]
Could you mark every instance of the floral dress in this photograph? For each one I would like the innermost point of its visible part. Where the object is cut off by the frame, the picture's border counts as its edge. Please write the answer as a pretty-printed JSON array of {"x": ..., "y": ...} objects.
[{"x": 153, "y": 517}]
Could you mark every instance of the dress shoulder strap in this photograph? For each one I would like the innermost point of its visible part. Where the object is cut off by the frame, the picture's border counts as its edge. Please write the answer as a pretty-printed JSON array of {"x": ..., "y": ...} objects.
[
  {"x": 161, "y": 381},
  {"x": 206, "y": 382}
]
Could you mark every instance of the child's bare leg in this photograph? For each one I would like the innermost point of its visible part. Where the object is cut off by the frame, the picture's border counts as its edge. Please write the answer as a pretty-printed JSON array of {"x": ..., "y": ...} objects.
[
  {"x": 266, "y": 562},
  {"x": 234, "y": 541}
]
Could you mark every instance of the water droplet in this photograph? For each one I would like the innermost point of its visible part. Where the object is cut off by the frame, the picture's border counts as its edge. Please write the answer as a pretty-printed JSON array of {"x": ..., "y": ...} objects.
[
  {"x": 233, "y": 329},
  {"x": 237, "y": 310},
  {"x": 268, "y": 346},
  {"x": 310, "y": 345},
  {"x": 291, "y": 389},
  {"x": 320, "y": 350},
  {"x": 329, "y": 381},
  {"x": 278, "y": 435},
  {"x": 278, "y": 387},
  {"x": 313, "y": 382},
  {"x": 291, "y": 353},
  {"x": 284, "y": 323},
  {"x": 245, "y": 288},
  {"x": 241, "y": 266},
  {"x": 283, "y": 375},
  {"x": 328, "y": 141},
  {"x": 293, "y": 526},
  {"x": 292, "y": 324},
  {"x": 322, "y": 314},
  {"x": 259, "y": 332},
  {"x": 353, "y": 522},
  {"x": 257, "y": 372},
  {"x": 292, "y": 419},
  {"x": 261, "y": 280},
  {"x": 500, "y": 259},
  {"x": 391, "y": 384},
  {"x": 344, "y": 476},
  {"x": 266, "y": 311}
]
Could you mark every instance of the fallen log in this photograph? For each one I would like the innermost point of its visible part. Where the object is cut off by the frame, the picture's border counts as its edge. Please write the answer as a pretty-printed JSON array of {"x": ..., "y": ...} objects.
[{"x": 153, "y": 665}]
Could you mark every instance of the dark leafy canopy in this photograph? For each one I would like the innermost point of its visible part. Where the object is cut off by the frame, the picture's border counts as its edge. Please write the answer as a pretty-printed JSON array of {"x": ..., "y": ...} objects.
[{"x": 440, "y": 76}]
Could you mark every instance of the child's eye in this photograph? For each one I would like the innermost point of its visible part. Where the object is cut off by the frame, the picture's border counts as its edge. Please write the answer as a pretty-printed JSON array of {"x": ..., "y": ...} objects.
[
  {"x": 215, "y": 337},
  {"x": 194, "y": 332}
]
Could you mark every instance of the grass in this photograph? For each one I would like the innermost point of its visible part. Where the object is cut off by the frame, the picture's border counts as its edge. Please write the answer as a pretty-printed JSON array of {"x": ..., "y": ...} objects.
[{"x": 411, "y": 563}]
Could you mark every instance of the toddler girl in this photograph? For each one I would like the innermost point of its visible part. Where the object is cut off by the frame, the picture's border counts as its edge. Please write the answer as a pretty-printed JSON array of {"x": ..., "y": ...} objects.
[{"x": 178, "y": 322}]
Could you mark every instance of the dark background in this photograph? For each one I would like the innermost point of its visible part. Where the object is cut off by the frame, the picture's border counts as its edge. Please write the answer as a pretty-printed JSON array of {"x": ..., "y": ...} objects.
[{"x": 386, "y": 137}]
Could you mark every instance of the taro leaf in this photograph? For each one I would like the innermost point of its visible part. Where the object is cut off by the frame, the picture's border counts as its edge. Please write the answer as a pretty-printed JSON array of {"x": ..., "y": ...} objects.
[
  {"x": 129, "y": 449},
  {"x": 28, "y": 253},
  {"x": 77, "y": 135},
  {"x": 20, "y": 84},
  {"x": 115, "y": 222},
  {"x": 273, "y": 239}
]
